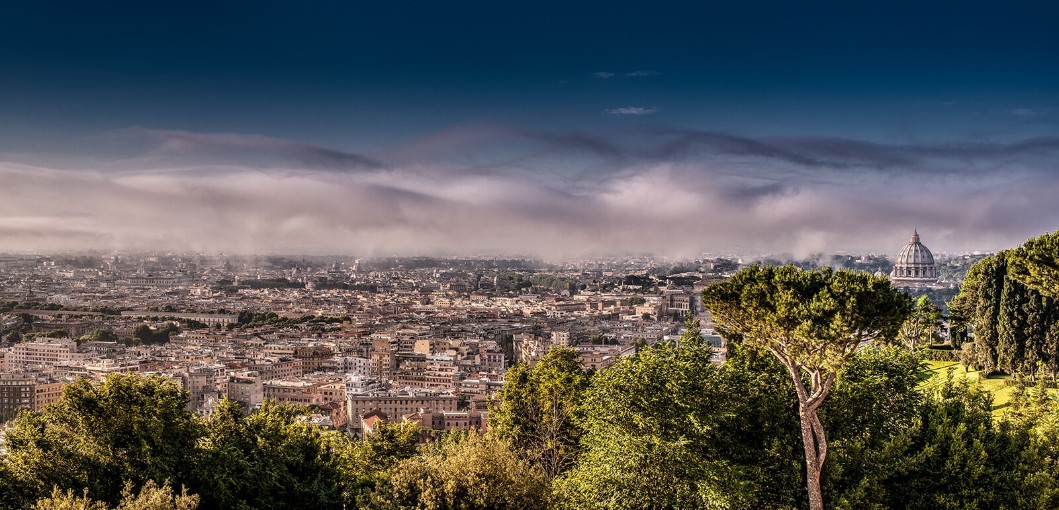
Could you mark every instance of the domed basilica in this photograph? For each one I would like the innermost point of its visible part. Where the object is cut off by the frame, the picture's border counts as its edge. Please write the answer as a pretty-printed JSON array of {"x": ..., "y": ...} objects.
[{"x": 915, "y": 265}]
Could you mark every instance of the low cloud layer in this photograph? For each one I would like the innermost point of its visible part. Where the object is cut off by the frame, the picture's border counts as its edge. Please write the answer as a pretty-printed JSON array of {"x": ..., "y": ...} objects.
[
  {"x": 631, "y": 110},
  {"x": 495, "y": 189}
]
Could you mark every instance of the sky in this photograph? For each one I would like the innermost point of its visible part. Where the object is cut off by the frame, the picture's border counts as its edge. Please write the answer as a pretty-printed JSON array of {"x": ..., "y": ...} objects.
[{"x": 548, "y": 129}]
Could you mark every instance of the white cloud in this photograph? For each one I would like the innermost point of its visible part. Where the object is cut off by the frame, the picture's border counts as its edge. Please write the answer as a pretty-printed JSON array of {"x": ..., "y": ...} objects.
[
  {"x": 631, "y": 110},
  {"x": 751, "y": 195},
  {"x": 604, "y": 74}
]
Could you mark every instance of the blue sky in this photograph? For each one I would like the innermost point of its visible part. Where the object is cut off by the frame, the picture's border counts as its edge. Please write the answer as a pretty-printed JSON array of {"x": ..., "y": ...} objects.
[{"x": 758, "y": 126}]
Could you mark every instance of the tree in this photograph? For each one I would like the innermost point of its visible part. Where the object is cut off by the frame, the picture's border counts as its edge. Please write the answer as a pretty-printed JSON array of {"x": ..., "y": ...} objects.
[
  {"x": 1011, "y": 326},
  {"x": 268, "y": 459},
  {"x": 1015, "y": 325},
  {"x": 922, "y": 326},
  {"x": 465, "y": 472},
  {"x": 100, "y": 335},
  {"x": 150, "y": 497},
  {"x": 144, "y": 334},
  {"x": 874, "y": 400},
  {"x": 366, "y": 464},
  {"x": 147, "y": 336},
  {"x": 812, "y": 322},
  {"x": 59, "y": 500},
  {"x": 667, "y": 428},
  {"x": 128, "y": 427},
  {"x": 538, "y": 409},
  {"x": 692, "y": 332},
  {"x": 953, "y": 455},
  {"x": 1036, "y": 264},
  {"x": 647, "y": 436},
  {"x": 987, "y": 311},
  {"x": 153, "y": 497}
]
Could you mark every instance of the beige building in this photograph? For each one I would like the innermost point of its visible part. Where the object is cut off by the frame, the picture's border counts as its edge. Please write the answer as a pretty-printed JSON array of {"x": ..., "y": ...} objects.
[
  {"x": 396, "y": 405},
  {"x": 30, "y": 354},
  {"x": 201, "y": 383},
  {"x": 432, "y": 373},
  {"x": 292, "y": 392},
  {"x": 26, "y": 391},
  {"x": 383, "y": 364},
  {"x": 246, "y": 388},
  {"x": 278, "y": 368},
  {"x": 450, "y": 420}
]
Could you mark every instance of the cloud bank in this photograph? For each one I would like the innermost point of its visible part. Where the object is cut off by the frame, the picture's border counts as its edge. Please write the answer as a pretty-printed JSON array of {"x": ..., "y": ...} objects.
[
  {"x": 501, "y": 190},
  {"x": 631, "y": 110}
]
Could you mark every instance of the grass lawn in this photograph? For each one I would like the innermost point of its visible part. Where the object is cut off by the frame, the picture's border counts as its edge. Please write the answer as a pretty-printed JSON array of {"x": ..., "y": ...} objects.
[{"x": 997, "y": 384}]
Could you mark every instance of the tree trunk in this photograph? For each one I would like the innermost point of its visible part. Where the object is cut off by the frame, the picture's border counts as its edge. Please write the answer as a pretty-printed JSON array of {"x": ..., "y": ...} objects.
[{"x": 814, "y": 442}]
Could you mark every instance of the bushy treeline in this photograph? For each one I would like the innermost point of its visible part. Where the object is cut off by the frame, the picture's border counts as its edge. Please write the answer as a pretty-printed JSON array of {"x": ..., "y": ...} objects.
[
  {"x": 129, "y": 441},
  {"x": 1006, "y": 316},
  {"x": 667, "y": 429},
  {"x": 662, "y": 429}
]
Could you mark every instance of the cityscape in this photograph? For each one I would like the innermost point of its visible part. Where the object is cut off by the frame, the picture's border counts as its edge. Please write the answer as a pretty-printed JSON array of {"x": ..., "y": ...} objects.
[
  {"x": 424, "y": 339},
  {"x": 529, "y": 256}
]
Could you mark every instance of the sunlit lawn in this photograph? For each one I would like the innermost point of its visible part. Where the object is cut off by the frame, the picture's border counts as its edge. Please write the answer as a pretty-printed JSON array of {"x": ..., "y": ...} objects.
[{"x": 997, "y": 384}]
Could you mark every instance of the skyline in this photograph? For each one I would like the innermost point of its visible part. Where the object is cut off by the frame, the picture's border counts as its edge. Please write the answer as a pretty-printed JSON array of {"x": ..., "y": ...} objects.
[{"x": 543, "y": 130}]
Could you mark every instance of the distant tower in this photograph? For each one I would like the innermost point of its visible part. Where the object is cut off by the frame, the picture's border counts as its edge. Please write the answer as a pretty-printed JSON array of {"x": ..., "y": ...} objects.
[{"x": 915, "y": 265}]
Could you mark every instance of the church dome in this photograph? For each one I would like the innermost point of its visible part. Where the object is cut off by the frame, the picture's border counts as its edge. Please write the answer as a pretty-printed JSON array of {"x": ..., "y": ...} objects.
[{"x": 915, "y": 264}]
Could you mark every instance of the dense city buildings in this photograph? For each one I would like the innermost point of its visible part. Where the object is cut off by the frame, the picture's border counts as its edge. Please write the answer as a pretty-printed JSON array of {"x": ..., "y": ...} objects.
[{"x": 359, "y": 341}]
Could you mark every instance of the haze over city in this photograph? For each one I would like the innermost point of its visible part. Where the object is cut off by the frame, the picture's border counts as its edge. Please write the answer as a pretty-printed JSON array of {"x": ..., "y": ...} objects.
[{"x": 544, "y": 129}]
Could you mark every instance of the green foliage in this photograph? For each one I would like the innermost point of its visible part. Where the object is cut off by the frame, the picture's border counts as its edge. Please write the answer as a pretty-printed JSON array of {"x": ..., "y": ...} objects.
[
  {"x": 874, "y": 399},
  {"x": 1039, "y": 462},
  {"x": 1015, "y": 326},
  {"x": 109, "y": 310},
  {"x": 818, "y": 317},
  {"x": 639, "y": 449},
  {"x": 923, "y": 325},
  {"x": 692, "y": 332},
  {"x": 538, "y": 409},
  {"x": 126, "y": 428},
  {"x": 268, "y": 459},
  {"x": 272, "y": 283},
  {"x": 1036, "y": 264},
  {"x": 100, "y": 335},
  {"x": 59, "y": 500},
  {"x": 812, "y": 321},
  {"x": 146, "y": 335},
  {"x": 507, "y": 345},
  {"x": 952, "y": 455},
  {"x": 248, "y": 319},
  {"x": 366, "y": 464},
  {"x": 138, "y": 429},
  {"x": 667, "y": 429},
  {"x": 150, "y": 497},
  {"x": 465, "y": 472},
  {"x": 153, "y": 497},
  {"x": 551, "y": 282}
]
